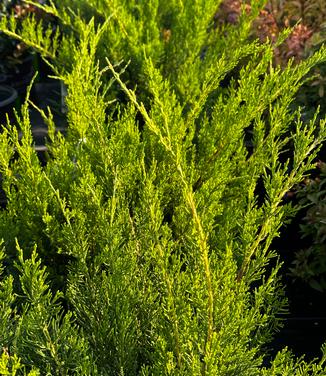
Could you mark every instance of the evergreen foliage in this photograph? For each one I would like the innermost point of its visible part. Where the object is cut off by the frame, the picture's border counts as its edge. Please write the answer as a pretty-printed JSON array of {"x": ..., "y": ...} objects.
[{"x": 143, "y": 246}]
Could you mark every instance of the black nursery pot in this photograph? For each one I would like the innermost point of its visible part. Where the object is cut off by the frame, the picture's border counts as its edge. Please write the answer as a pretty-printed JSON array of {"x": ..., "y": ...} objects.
[
  {"x": 23, "y": 75},
  {"x": 8, "y": 97},
  {"x": 20, "y": 74}
]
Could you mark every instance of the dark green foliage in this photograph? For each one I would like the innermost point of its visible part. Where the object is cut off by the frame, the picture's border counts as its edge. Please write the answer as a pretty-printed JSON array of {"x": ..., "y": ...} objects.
[
  {"x": 310, "y": 263},
  {"x": 144, "y": 242}
]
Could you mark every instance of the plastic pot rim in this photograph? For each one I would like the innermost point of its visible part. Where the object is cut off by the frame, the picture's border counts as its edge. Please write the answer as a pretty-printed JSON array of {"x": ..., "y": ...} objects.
[{"x": 12, "y": 95}]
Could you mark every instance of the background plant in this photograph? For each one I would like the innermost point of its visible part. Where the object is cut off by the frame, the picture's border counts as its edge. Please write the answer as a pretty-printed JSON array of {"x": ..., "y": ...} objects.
[
  {"x": 141, "y": 247},
  {"x": 308, "y": 20},
  {"x": 309, "y": 264}
]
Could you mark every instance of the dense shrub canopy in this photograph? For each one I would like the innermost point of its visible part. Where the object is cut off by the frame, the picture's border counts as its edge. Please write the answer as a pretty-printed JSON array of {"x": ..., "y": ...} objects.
[{"x": 141, "y": 247}]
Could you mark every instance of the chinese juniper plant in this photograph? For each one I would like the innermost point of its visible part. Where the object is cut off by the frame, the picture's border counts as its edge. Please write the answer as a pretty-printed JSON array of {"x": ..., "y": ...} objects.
[{"x": 143, "y": 246}]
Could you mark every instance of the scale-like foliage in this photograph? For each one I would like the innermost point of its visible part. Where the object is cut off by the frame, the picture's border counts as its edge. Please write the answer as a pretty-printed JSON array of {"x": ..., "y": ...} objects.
[{"x": 153, "y": 218}]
